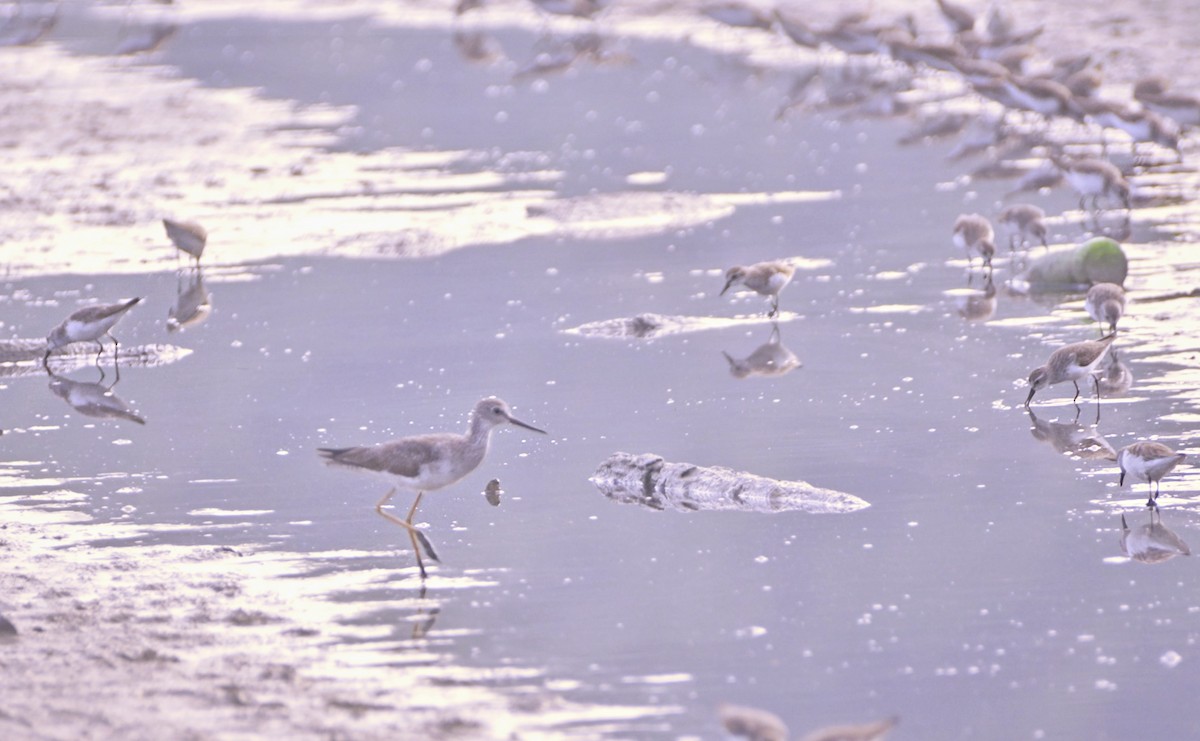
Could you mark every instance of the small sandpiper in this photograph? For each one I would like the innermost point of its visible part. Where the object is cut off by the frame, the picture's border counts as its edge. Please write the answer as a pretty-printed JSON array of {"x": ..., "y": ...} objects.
[
  {"x": 1140, "y": 125},
  {"x": 973, "y": 232},
  {"x": 1094, "y": 178},
  {"x": 424, "y": 463},
  {"x": 572, "y": 8},
  {"x": 1148, "y": 461},
  {"x": 738, "y": 15},
  {"x": 765, "y": 278},
  {"x": 1181, "y": 108},
  {"x": 1105, "y": 303},
  {"x": 1070, "y": 363},
  {"x": 89, "y": 324},
  {"x": 957, "y": 17},
  {"x": 1040, "y": 95},
  {"x": 188, "y": 236},
  {"x": 1025, "y": 221}
]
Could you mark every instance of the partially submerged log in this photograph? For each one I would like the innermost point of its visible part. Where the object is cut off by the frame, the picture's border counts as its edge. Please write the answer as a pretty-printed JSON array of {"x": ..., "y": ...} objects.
[
  {"x": 652, "y": 482},
  {"x": 1098, "y": 260}
]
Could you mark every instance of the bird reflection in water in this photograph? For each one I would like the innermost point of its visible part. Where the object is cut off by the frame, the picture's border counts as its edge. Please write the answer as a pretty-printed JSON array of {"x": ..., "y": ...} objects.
[
  {"x": 1116, "y": 378},
  {"x": 192, "y": 301},
  {"x": 769, "y": 359},
  {"x": 1072, "y": 438},
  {"x": 93, "y": 399},
  {"x": 425, "y": 616},
  {"x": 760, "y": 725},
  {"x": 558, "y": 55},
  {"x": 1153, "y": 542},
  {"x": 979, "y": 306},
  {"x": 477, "y": 47}
]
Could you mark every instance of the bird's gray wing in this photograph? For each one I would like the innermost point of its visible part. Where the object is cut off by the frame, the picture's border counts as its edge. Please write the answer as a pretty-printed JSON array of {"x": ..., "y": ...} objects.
[
  {"x": 96, "y": 313},
  {"x": 399, "y": 457}
]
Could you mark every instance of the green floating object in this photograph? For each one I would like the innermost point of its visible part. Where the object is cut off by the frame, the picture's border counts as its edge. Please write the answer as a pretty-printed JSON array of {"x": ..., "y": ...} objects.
[{"x": 1098, "y": 260}]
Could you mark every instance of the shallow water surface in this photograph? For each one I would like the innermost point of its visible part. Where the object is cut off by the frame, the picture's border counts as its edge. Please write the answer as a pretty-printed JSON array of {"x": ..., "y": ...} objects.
[{"x": 983, "y": 594}]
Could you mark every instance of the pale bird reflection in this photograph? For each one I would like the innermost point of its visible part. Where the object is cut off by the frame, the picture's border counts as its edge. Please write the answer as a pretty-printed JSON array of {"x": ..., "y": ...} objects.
[
  {"x": 192, "y": 302},
  {"x": 424, "y": 618},
  {"x": 857, "y": 732},
  {"x": 751, "y": 723},
  {"x": 756, "y": 724},
  {"x": 144, "y": 39},
  {"x": 1072, "y": 438},
  {"x": 1153, "y": 542},
  {"x": 769, "y": 359},
  {"x": 979, "y": 306},
  {"x": 475, "y": 46},
  {"x": 1116, "y": 378},
  {"x": 93, "y": 399}
]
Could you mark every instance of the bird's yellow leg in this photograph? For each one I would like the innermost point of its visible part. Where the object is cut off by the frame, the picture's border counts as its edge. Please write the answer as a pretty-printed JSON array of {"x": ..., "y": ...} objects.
[{"x": 414, "y": 534}]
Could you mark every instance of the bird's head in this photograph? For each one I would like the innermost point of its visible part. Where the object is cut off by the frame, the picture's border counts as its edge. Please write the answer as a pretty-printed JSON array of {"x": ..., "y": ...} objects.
[
  {"x": 732, "y": 276},
  {"x": 1037, "y": 380},
  {"x": 56, "y": 339}
]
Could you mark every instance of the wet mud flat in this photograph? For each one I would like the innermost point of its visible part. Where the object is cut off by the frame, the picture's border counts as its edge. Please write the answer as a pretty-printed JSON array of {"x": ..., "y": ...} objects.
[
  {"x": 160, "y": 642},
  {"x": 154, "y": 642}
]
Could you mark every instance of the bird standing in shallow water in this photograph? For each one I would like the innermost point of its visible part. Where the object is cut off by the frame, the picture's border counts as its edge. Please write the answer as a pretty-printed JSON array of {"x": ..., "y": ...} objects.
[
  {"x": 1070, "y": 363},
  {"x": 188, "y": 236},
  {"x": 973, "y": 232},
  {"x": 1025, "y": 221},
  {"x": 765, "y": 278},
  {"x": 1105, "y": 303},
  {"x": 1095, "y": 178},
  {"x": 424, "y": 463},
  {"x": 88, "y": 324},
  {"x": 1148, "y": 461}
]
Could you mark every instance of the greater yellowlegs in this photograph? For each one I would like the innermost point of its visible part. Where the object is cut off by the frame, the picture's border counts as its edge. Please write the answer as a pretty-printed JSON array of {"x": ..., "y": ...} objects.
[{"x": 424, "y": 463}]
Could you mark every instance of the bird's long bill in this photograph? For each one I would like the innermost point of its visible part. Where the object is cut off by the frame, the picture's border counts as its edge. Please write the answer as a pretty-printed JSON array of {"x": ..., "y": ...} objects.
[
  {"x": 1029, "y": 398},
  {"x": 1121, "y": 482},
  {"x": 519, "y": 423},
  {"x": 728, "y": 283}
]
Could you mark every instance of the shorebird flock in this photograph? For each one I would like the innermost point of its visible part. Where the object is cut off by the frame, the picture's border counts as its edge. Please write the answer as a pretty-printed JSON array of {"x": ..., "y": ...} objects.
[
  {"x": 1022, "y": 105},
  {"x": 1019, "y": 96},
  {"x": 94, "y": 323}
]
